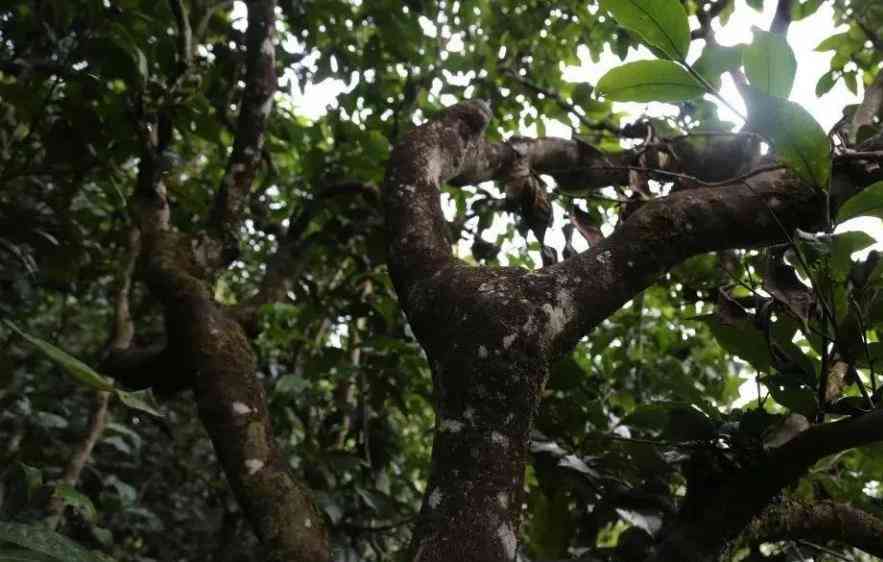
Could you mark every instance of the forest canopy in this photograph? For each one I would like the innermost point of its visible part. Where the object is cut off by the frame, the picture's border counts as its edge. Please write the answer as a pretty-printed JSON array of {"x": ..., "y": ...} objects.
[{"x": 471, "y": 280}]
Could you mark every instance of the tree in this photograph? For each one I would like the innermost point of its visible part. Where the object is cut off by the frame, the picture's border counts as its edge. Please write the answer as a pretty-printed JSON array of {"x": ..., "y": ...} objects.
[{"x": 182, "y": 249}]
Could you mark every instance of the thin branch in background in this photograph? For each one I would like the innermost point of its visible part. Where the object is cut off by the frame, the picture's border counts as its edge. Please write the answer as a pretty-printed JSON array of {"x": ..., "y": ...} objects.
[
  {"x": 689, "y": 178},
  {"x": 782, "y": 19},
  {"x": 184, "y": 37},
  {"x": 827, "y": 551},
  {"x": 121, "y": 338},
  {"x": 566, "y": 105}
]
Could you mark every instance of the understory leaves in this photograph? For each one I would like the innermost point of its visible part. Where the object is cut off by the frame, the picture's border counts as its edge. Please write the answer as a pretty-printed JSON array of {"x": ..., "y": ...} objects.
[
  {"x": 86, "y": 376},
  {"x": 43, "y": 540},
  {"x": 644, "y": 81},
  {"x": 80, "y": 372}
]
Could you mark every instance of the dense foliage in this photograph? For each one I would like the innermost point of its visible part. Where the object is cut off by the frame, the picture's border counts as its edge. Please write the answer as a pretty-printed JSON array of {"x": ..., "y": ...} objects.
[{"x": 641, "y": 410}]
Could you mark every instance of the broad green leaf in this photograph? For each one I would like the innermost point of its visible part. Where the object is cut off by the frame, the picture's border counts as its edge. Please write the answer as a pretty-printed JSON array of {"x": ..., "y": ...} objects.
[
  {"x": 41, "y": 539},
  {"x": 770, "y": 64},
  {"x": 715, "y": 60},
  {"x": 824, "y": 85},
  {"x": 79, "y": 371},
  {"x": 661, "y": 24},
  {"x": 834, "y": 42},
  {"x": 798, "y": 140},
  {"x": 140, "y": 400},
  {"x": 644, "y": 81},
  {"x": 867, "y": 203},
  {"x": 79, "y": 501}
]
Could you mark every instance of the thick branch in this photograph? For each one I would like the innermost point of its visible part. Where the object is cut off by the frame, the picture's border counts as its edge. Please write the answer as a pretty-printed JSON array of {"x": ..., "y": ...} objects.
[
  {"x": 821, "y": 521},
  {"x": 664, "y": 232}
]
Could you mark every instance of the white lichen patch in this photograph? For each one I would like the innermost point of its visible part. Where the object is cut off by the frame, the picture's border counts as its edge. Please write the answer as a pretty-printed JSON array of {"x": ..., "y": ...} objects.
[
  {"x": 253, "y": 465},
  {"x": 435, "y": 498},
  {"x": 409, "y": 189},
  {"x": 507, "y": 540},
  {"x": 267, "y": 48},
  {"x": 499, "y": 438},
  {"x": 454, "y": 426},
  {"x": 559, "y": 314},
  {"x": 241, "y": 408},
  {"x": 509, "y": 340},
  {"x": 308, "y": 523},
  {"x": 503, "y": 500},
  {"x": 267, "y": 106},
  {"x": 529, "y": 327},
  {"x": 482, "y": 352}
]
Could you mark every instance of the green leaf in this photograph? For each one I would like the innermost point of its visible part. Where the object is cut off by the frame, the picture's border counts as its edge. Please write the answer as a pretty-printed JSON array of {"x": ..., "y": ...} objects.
[
  {"x": 140, "y": 400},
  {"x": 661, "y": 24},
  {"x": 740, "y": 338},
  {"x": 804, "y": 9},
  {"x": 792, "y": 393},
  {"x": 143, "y": 70},
  {"x": 824, "y": 85},
  {"x": 834, "y": 42},
  {"x": 79, "y": 371},
  {"x": 798, "y": 140},
  {"x": 645, "y": 81},
  {"x": 680, "y": 421},
  {"x": 73, "y": 498},
  {"x": 867, "y": 203},
  {"x": 18, "y": 555},
  {"x": 715, "y": 60},
  {"x": 845, "y": 244},
  {"x": 42, "y": 539},
  {"x": 770, "y": 63}
]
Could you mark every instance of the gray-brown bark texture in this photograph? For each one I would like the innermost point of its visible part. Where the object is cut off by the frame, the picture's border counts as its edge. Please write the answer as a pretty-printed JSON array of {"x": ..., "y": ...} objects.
[
  {"x": 206, "y": 348},
  {"x": 491, "y": 332}
]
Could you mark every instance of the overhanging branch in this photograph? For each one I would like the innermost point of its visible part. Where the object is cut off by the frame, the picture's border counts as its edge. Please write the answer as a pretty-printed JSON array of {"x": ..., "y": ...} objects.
[{"x": 824, "y": 520}]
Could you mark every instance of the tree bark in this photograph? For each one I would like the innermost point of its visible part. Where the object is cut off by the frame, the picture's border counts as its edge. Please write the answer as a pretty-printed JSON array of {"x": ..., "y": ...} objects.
[{"x": 491, "y": 332}]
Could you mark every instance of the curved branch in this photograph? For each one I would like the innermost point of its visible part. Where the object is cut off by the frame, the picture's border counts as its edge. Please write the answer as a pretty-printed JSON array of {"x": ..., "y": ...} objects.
[
  {"x": 257, "y": 102},
  {"x": 667, "y": 231},
  {"x": 821, "y": 520}
]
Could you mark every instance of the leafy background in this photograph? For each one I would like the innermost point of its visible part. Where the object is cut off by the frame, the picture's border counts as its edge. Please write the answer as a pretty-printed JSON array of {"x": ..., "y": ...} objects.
[{"x": 349, "y": 387}]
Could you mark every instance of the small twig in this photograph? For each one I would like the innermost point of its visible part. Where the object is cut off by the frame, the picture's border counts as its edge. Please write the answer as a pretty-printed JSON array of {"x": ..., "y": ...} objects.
[
  {"x": 861, "y": 326},
  {"x": 874, "y": 155},
  {"x": 380, "y": 528},
  {"x": 687, "y": 177},
  {"x": 827, "y": 551},
  {"x": 604, "y": 126}
]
